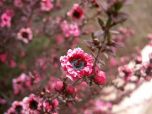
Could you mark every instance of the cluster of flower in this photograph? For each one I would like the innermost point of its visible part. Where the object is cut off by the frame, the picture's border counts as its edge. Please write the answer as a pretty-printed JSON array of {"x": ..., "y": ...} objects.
[
  {"x": 79, "y": 64},
  {"x": 24, "y": 82},
  {"x": 33, "y": 105},
  {"x": 80, "y": 71}
]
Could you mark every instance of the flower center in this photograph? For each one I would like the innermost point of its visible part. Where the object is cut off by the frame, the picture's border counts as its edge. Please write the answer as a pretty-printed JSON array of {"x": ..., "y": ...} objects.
[
  {"x": 33, "y": 104},
  {"x": 78, "y": 63},
  {"x": 77, "y": 13},
  {"x": 18, "y": 109},
  {"x": 25, "y": 34}
]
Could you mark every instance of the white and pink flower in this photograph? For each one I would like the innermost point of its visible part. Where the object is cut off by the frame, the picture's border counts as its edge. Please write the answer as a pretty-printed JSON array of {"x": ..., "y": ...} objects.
[
  {"x": 77, "y": 63},
  {"x": 125, "y": 72},
  {"x": 70, "y": 29}
]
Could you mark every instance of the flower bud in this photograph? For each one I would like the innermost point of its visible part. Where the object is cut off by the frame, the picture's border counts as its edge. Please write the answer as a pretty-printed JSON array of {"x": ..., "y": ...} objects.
[
  {"x": 55, "y": 103},
  {"x": 100, "y": 78},
  {"x": 59, "y": 86},
  {"x": 70, "y": 89}
]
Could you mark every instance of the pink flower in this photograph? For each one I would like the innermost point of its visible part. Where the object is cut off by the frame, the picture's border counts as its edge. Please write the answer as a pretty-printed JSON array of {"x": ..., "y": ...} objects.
[
  {"x": 6, "y": 19},
  {"x": 25, "y": 35},
  {"x": 125, "y": 72},
  {"x": 46, "y": 5},
  {"x": 77, "y": 63},
  {"x": 100, "y": 78},
  {"x": 70, "y": 29},
  {"x": 32, "y": 104},
  {"x": 76, "y": 12},
  {"x": 16, "y": 108},
  {"x": 47, "y": 106},
  {"x": 18, "y": 3},
  {"x": 20, "y": 83},
  {"x": 1, "y": 2},
  {"x": 2, "y": 101},
  {"x": 138, "y": 60}
]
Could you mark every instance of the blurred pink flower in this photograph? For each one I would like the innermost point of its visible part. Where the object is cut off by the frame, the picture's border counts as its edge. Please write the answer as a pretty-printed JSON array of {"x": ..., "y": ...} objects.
[
  {"x": 59, "y": 39},
  {"x": 55, "y": 103},
  {"x": 12, "y": 63},
  {"x": 2, "y": 101},
  {"x": 59, "y": 85},
  {"x": 149, "y": 36},
  {"x": 70, "y": 29},
  {"x": 76, "y": 12},
  {"x": 18, "y": 3},
  {"x": 49, "y": 106},
  {"x": 46, "y": 5},
  {"x": 3, "y": 57},
  {"x": 16, "y": 108},
  {"x": 125, "y": 72},
  {"x": 32, "y": 104},
  {"x": 1, "y": 2},
  {"x": 6, "y": 18},
  {"x": 25, "y": 35},
  {"x": 113, "y": 61},
  {"x": 21, "y": 82},
  {"x": 77, "y": 63},
  {"x": 70, "y": 90}
]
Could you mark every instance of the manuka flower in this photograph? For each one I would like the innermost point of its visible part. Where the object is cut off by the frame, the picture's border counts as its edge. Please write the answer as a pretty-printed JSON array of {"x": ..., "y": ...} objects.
[
  {"x": 16, "y": 108},
  {"x": 6, "y": 18},
  {"x": 32, "y": 104},
  {"x": 50, "y": 106},
  {"x": 76, "y": 12},
  {"x": 77, "y": 63},
  {"x": 21, "y": 82},
  {"x": 126, "y": 72},
  {"x": 70, "y": 29},
  {"x": 25, "y": 35}
]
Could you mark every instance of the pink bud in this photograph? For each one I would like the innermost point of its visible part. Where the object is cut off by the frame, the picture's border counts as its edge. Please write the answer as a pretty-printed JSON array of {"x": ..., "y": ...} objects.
[
  {"x": 3, "y": 57},
  {"x": 59, "y": 85},
  {"x": 70, "y": 89},
  {"x": 100, "y": 78},
  {"x": 12, "y": 63},
  {"x": 55, "y": 103}
]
